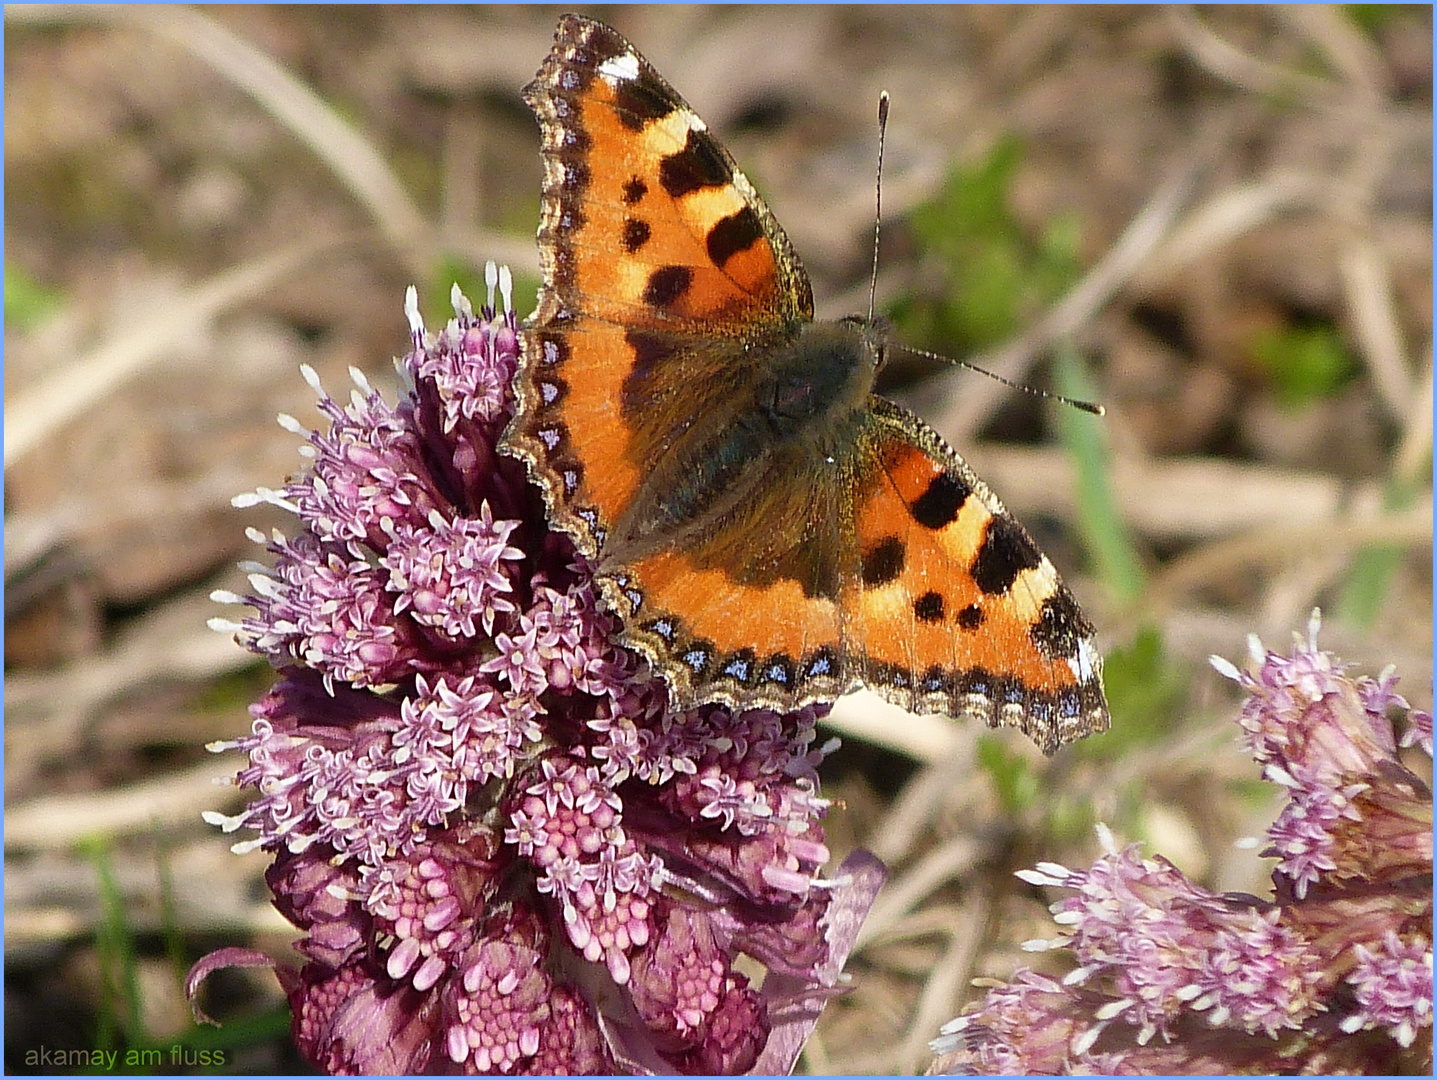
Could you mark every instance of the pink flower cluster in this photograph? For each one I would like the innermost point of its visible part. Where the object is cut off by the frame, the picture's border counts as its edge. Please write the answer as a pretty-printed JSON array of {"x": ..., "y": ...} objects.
[
  {"x": 508, "y": 854},
  {"x": 1333, "y": 974}
]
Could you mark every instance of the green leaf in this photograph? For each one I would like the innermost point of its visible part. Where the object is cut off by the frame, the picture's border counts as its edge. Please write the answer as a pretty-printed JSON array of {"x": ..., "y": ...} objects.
[
  {"x": 120, "y": 1019},
  {"x": 1303, "y": 363},
  {"x": 231, "y": 693},
  {"x": 1364, "y": 593},
  {"x": 1068, "y": 818},
  {"x": 526, "y": 295},
  {"x": 27, "y": 302},
  {"x": 119, "y": 1024},
  {"x": 1371, "y": 17},
  {"x": 1144, "y": 692},
  {"x": 1105, "y": 535},
  {"x": 1012, "y": 778},
  {"x": 451, "y": 271},
  {"x": 988, "y": 276}
]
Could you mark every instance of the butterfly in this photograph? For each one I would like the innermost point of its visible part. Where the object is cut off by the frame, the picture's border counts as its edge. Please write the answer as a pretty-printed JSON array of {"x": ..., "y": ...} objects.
[{"x": 769, "y": 531}]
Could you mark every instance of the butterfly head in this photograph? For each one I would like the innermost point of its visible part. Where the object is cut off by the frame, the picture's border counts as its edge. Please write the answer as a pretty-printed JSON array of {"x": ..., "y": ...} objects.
[
  {"x": 876, "y": 330},
  {"x": 871, "y": 334},
  {"x": 822, "y": 376}
]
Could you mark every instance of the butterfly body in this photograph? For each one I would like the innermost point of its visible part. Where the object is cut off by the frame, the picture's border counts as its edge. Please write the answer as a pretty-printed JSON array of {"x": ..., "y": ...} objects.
[
  {"x": 769, "y": 530},
  {"x": 799, "y": 397}
]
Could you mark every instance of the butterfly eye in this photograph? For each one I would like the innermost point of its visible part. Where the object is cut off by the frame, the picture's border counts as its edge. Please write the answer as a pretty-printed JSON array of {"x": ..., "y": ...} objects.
[
  {"x": 876, "y": 331},
  {"x": 789, "y": 399}
]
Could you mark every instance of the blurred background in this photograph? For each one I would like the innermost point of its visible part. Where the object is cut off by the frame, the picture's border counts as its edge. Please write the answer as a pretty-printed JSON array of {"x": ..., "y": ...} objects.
[{"x": 1217, "y": 222}]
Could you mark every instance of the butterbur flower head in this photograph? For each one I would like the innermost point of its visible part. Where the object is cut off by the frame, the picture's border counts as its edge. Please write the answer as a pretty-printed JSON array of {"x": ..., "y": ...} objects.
[
  {"x": 1419, "y": 730},
  {"x": 1303, "y": 712},
  {"x": 1353, "y": 813},
  {"x": 1392, "y": 982},
  {"x": 1333, "y": 973},
  {"x": 499, "y": 1004},
  {"x": 685, "y": 986},
  {"x": 1168, "y": 947},
  {"x": 507, "y": 853},
  {"x": 353, "y": 1021}
]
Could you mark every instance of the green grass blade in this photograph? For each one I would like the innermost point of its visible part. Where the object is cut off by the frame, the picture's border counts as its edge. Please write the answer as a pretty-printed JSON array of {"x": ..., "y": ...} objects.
[{"x": 1109, "y": 544}]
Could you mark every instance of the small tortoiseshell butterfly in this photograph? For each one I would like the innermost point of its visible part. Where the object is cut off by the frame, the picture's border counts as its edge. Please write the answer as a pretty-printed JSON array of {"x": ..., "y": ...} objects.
[{"x": 770, "y": 532}]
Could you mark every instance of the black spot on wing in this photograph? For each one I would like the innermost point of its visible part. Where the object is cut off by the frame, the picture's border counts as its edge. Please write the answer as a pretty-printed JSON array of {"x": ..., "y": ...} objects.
[
  {"x": 634, "y": 190},
  {"x": 883, "y": 562},
  {"x": 599, "y": 42},
  {"x": 733, "y": 234},
  {"x": 929, "y": 607},
  {"x": 667, "y": 284},
  {"x": 1060, "y": 626},
  {"x": 939, "y": 505},
  {"x": 699, "y": 164},
  {"x": 970, "y": 618},
  {"x": 1006, "y": 552},
  {"x": 650, "y": 350},
  {"x": 636, "y": 234},
  {"x": 641, "y": 101}
]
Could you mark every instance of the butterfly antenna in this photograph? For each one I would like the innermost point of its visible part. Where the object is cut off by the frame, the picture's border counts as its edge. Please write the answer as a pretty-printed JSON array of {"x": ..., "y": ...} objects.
[
  {"x": 878, "y": 200},
  {"x": 1085, "y": 406}
]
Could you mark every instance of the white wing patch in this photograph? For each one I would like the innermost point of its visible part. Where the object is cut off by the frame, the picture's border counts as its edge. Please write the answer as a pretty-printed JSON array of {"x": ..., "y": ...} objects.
[
  {"x": 619, "y": 69},
  {"x": 1085, "y": 664}
]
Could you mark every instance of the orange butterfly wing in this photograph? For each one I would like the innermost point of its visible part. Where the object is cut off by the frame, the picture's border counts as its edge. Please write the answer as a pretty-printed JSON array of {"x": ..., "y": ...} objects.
[
  {"x": 648, "y": 234},
  {"x": 664, "y": 275},
  {"x": 957, "y": 610}
]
